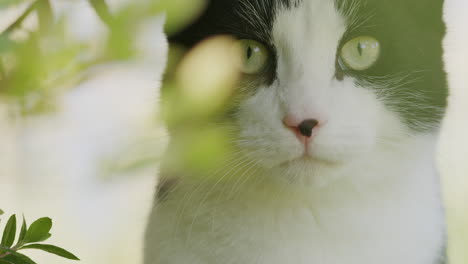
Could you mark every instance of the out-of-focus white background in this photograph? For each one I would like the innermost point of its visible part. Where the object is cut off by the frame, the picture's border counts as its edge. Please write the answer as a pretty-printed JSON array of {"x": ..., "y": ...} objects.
[
  {"x": 52, "y": 165},
  {"x": 453, "y": 154}
]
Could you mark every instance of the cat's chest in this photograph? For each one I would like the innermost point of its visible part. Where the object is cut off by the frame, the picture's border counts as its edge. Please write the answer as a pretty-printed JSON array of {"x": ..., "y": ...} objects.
[{"x": 392, "y": 233}]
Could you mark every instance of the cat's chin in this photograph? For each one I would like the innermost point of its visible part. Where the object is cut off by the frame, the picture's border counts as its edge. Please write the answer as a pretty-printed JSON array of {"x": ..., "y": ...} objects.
[{"x": 310, "y": 170}]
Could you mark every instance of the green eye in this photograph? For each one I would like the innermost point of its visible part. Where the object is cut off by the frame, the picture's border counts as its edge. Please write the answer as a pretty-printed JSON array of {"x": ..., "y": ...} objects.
[
  {"x": 254, "y": 56},
  {"x": 360, "y": 53}
]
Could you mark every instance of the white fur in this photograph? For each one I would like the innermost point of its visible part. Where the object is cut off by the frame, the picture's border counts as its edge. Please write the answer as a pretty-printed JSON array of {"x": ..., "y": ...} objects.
[{"x": 368, "y": 194}]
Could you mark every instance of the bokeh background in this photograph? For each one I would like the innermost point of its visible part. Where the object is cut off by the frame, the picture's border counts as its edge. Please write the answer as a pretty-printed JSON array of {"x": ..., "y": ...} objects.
[{"x": 80, "y": 130}]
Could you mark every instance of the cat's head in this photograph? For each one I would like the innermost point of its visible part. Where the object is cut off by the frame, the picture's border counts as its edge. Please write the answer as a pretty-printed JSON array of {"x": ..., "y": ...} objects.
[{"x": 327, "y": 82}]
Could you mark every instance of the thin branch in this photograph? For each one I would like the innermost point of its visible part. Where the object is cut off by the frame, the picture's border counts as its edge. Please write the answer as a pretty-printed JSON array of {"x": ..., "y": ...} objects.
[
  {"x": 8, "y": 251},
  {"x": 20, "y": 19},
  {"x": 102, "y": 10}
]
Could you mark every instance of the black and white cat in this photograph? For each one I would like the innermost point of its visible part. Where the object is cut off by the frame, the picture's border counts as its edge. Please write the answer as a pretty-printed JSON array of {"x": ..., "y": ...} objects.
[{"x": 336, "y": 136}]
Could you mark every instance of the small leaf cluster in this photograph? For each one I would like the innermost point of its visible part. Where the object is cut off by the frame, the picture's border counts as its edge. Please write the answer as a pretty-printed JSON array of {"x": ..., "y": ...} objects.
[
  {"x": 38, "y": 65},
  {"x": 28, "y": 238}
]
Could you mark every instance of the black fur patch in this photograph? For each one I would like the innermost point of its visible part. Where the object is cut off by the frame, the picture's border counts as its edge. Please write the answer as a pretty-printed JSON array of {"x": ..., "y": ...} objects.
[
  {"x": 165, "y": 186},
  {"x": 233, "y": 17},
  {"x": 409, "y": 74},
  {"x": 242, "y": 19}
]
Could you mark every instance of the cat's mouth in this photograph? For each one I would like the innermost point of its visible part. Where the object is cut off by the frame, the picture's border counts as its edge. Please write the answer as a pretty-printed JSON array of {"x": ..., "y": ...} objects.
[{"x": 310, "y": 159}]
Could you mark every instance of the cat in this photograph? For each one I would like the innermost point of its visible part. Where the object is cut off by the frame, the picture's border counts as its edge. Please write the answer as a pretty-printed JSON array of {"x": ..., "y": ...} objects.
[{"x": 337, "y": 136}]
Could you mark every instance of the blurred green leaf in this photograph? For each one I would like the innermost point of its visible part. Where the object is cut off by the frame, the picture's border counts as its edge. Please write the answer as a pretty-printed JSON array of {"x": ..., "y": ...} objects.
[
  {"x": 120, "y": 45},
  {"x": 5, "y": 262},
  {"x": 28, "y": 67},
  {"x": 199, "y": 148},
  {"x": 45, "y": 14},
  {"x": 9, "y": 232},
  {"x": 52, "y": 249},
  {"x": 38, "y": 231},
  {"x": 179, "y": 13},
  {"x": 1, "y": 212}
]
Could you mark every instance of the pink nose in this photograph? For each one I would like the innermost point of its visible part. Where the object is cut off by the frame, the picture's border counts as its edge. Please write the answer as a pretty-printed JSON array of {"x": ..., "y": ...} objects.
[{"x": 302, "y": 129}]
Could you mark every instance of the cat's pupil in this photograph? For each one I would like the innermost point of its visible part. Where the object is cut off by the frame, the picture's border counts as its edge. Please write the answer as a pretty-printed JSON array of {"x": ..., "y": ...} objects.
[
  {"x": 359, "y": 48},
  {"x": 249, "y": 52}
]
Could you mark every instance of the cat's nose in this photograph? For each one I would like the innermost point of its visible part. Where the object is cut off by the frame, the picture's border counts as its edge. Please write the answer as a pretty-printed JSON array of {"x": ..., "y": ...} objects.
[
  {"x": 303, "y": 128},
  {"x": 306, "y": 127}
]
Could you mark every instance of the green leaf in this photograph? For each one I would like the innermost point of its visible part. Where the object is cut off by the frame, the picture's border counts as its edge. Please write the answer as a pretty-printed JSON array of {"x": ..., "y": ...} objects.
[
  {"x": 45, "y": 237},
  {"x": 38, "y": 231},
  {"x": 5, "y": 262},
  {"x": 18, "y": 258},
  {"x": 24, "y": 229},
  {"x": 1, "y": 212},
  {"x": 52, "y": 249},
  {"x": 10, "y": 232}
]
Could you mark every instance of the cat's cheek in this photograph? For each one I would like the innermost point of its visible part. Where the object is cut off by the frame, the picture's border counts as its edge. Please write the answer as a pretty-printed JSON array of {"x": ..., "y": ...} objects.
[{"x": 353, "y": 119}]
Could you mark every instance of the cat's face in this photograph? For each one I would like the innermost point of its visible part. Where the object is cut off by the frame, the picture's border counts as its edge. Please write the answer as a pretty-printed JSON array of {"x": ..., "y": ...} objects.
[{"x": 329, "y": 82}]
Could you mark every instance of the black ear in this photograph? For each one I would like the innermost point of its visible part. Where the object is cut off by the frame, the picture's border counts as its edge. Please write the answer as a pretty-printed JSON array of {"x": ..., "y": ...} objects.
[{"x": 233, "y": 17}]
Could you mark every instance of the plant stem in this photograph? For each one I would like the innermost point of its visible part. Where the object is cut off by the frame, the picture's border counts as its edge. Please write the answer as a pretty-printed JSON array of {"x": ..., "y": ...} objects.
[
  {"x": 20, "y": 19},
  {"x": 15, "y": 248},
  {"x": 102, "y": 10},
  {"x": 45, "y": 15}
]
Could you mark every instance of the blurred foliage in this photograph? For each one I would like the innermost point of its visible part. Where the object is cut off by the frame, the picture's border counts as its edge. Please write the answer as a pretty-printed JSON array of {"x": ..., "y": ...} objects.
[
  {"x": 40, "y": 64},
  {"x": 179, "y": 13},
  {"x": 7, "y": 3},
  {"x": 44, "y": 62},
  {"x": 27, "y": 238}
]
